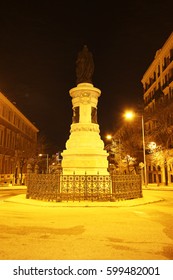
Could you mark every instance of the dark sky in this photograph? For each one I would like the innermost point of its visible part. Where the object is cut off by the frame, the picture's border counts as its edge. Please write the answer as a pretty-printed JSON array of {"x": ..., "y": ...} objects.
[{"x": 39, "y": 44}]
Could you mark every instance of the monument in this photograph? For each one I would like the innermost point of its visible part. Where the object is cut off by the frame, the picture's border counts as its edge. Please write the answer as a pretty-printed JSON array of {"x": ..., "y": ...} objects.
[{"x": 84, "y": 153}]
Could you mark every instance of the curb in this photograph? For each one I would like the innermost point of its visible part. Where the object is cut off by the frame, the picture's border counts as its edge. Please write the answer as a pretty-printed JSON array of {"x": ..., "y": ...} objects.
[
  {"x": 21, "y": 199},
  {"x": 12, "y": 188}
]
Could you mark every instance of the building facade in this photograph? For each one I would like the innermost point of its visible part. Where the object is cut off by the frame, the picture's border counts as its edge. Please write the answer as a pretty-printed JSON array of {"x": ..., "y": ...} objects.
[
  {"x": 18, "y": 139},
  {"x": 157, "y": 84}
]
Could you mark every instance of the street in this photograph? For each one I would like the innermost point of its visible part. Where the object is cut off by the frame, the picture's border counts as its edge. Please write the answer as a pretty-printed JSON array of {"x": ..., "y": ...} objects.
[
  {"x": 143, "y": 232},
  {"x": 9, "y": 193}
]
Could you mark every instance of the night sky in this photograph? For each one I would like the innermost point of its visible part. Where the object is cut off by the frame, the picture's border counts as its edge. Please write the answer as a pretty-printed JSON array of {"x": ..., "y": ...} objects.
[{"x": 39, "y": 44}]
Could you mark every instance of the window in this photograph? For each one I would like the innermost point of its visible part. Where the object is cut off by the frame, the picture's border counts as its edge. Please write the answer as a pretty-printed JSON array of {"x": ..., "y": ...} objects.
[
  {"x": 154, "y": 76},
  {"x": 8, "y": 140},
  {"x": 1, "y": 108},
  {"x": 171, "y": 178},
  {"x": 154, "y": 178},
  {"x": 1, "y": 135},
  {"x": 158, "y": 73},
  {"x": 160, "y": 178},
  {"x": 171, "y": 55},
  {"x": 9, "y": 116},
  {"x": 0, "y": 164}
]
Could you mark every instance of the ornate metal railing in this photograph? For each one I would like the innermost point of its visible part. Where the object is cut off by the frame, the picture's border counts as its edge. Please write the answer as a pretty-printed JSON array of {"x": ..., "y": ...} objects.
[
  {"x": 58, "y": 187},
  {"x": 126, "y": 186}
]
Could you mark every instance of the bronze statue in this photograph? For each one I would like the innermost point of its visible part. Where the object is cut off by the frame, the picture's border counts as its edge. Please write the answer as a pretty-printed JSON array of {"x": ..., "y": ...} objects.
[{"x": 84, "y": 66}]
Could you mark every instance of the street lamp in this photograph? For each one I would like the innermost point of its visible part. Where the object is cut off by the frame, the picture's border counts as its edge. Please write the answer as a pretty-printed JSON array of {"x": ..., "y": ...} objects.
[
  {"x": 47, "y": 161},
  {"x": 110, "y": 141},
  {"x": 129, "y": 115},
  {"x": 109, "y": 137}
]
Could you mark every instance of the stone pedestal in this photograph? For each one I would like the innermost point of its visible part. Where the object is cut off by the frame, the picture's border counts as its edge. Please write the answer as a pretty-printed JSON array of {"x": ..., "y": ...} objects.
[{"x": 84, "y": 152}]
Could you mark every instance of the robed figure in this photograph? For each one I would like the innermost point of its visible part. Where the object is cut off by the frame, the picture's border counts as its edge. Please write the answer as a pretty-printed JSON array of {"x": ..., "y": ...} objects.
[{"x": 84, "y": 66}]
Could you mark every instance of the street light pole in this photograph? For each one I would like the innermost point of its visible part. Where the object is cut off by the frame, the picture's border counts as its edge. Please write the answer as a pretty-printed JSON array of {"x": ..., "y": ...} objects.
[
  {"x": 47, "y": 161},
  {"x": 143, "y": 142},
  {"x": 129, "y": 115}
]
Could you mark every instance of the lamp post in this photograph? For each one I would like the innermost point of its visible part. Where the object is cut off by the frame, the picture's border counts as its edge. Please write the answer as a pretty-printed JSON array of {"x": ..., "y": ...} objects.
[
  {"x": 129, "y": 115},
  {"x": 143, "y": 142},
  {"x": 47, "y": 161},
  {"x": 116, "y": 149}
]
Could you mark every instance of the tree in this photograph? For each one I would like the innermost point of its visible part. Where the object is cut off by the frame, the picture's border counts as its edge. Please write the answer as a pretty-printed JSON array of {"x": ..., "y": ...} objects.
[
  {"x": 160, "y": 130},
  {"x": 130, "y": 137},
  {"x": 115, "y": 150}
]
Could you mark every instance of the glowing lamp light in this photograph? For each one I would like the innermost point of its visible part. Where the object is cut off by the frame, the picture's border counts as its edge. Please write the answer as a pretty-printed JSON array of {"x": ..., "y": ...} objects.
[
  {"x": 129, "y": 115},
  {"x": 109, "y": 137}
]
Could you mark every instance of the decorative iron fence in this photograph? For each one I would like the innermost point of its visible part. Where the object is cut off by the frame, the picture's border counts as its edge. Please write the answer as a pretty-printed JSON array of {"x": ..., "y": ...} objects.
[
  {"x": 58, "y": 187},
  {"x": 43, "y": 186},
  {"x": 126, "y": 186}
]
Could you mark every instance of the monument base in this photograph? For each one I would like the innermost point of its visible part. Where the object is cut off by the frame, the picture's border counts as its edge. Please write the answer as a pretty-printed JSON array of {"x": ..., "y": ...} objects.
[
  {"x": 85, "y": 152},
  {"x": 81, "y": 164}
]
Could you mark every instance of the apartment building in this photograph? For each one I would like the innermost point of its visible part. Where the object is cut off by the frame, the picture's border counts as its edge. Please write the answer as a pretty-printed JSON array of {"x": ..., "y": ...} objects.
[
  {"x": 18, "y": 139},
  {"x": 157, "y": 84}
]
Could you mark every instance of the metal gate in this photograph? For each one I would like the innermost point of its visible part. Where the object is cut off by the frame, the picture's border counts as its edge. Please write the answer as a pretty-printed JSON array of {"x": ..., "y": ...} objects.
[{"x": 85, "y": 187}]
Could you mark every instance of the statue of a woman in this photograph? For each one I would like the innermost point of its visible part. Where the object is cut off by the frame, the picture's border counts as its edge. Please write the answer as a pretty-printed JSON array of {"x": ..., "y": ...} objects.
[{"x": 84, "y": 66}]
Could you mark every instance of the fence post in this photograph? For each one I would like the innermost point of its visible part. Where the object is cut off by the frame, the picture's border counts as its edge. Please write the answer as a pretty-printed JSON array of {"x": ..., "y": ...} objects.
[{"x": 58, "y": 188}]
